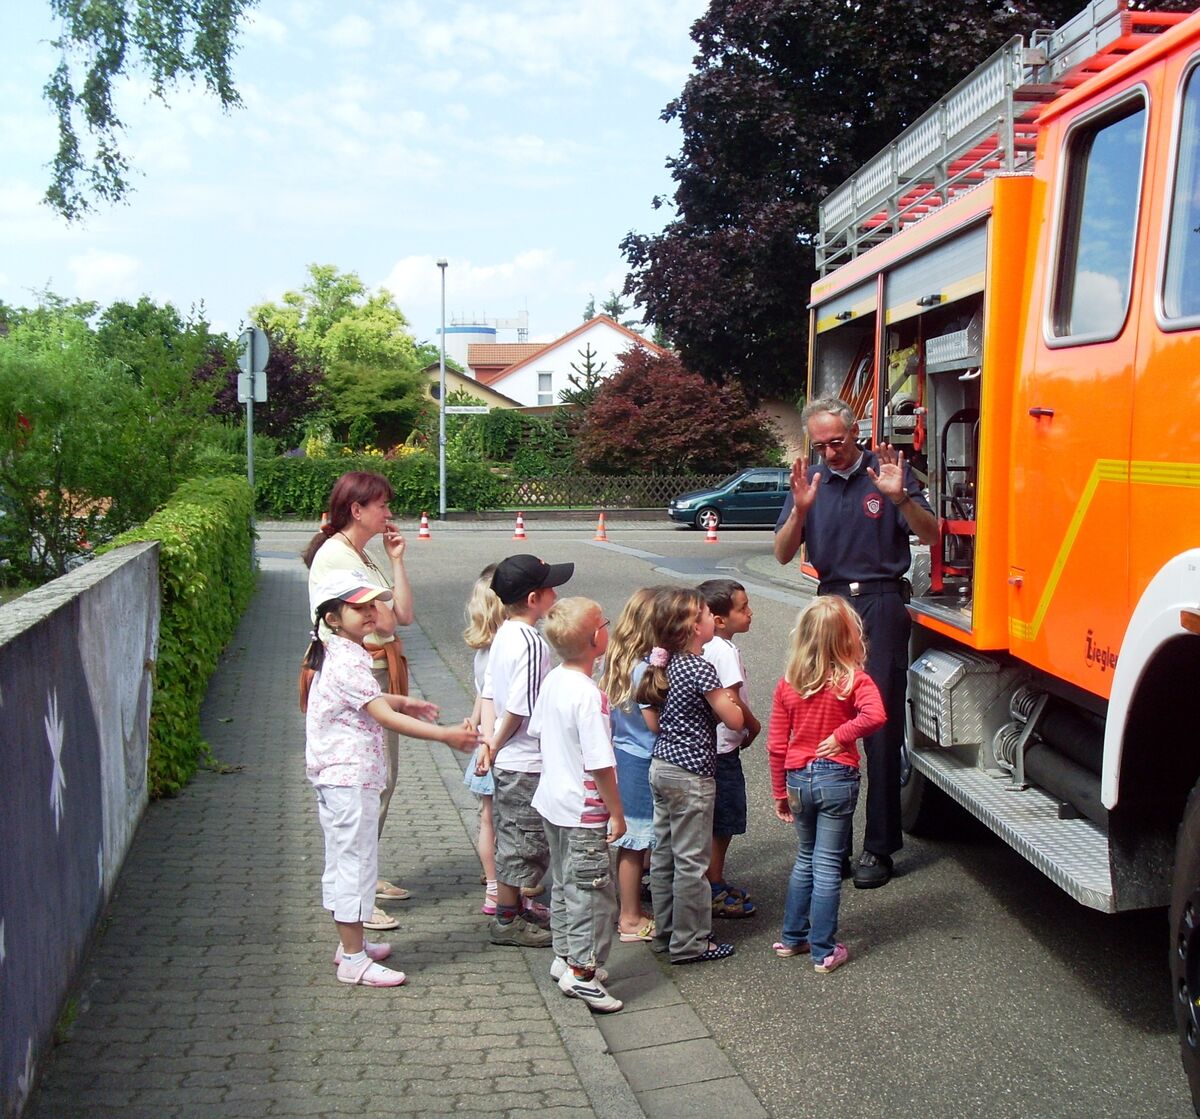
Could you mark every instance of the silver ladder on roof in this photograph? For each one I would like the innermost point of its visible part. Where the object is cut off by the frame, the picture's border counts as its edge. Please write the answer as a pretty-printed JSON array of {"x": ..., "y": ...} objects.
[{"x": 985, "y": 126}]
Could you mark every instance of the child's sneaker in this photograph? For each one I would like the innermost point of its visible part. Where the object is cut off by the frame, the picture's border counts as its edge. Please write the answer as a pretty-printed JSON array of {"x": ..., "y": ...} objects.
[
  {"x": 375, "y": 952},
  {"x": 834, "y": 960},
  {"x": 518, "y": 933},
  {"x": 559, "y": 967},
  {"x": 590, "y": 991},
  {"x": 367, "y": 973}
]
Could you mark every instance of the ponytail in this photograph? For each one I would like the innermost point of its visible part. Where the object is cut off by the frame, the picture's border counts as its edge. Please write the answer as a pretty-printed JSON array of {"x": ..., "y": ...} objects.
[
  {"x": 675, "y": 613},
  {"x": 314, "y": 655}
]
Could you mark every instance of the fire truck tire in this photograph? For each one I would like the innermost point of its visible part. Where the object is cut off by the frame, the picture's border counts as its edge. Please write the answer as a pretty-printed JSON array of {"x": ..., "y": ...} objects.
[
  {"x": 1185, "y": 941},
  {"x": 924, "y": 808}
]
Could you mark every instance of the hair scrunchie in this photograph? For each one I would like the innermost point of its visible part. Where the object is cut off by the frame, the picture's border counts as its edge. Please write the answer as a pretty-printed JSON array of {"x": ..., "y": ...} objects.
[{"x": 659, "y": 657}]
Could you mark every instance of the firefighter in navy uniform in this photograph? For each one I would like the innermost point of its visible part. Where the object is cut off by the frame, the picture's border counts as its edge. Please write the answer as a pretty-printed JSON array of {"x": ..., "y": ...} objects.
[{"x": 854, "y": 512}]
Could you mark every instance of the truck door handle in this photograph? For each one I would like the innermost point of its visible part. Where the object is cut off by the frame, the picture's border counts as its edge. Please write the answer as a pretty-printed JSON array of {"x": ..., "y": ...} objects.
[{"x": 1038, "y": 412}]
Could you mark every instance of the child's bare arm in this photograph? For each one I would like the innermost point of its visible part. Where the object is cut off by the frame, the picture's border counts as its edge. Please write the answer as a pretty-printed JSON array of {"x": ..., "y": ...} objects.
[
  {"x": 752, "y": 726},
  {"x": 725, "y": 706},
  {"x": 508, "y": 725},
  {"x": 463, "y": 737},
  {"x": 606, "y": 786},
  {"x": 417, "y": 708},
  {"x": 650, "y": 715}
]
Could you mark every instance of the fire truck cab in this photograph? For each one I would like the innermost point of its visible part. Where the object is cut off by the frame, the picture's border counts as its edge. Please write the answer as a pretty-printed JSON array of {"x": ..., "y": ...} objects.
[{"x": 1010, "y": 293}]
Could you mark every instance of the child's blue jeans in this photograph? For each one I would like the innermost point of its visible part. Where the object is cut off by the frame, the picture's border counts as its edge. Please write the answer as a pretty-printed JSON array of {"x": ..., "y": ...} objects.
[{"x": 822, "y": 797}]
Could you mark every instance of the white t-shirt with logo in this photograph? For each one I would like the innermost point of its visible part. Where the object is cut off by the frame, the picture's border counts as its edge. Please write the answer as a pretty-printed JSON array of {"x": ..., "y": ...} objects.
[
  {"x": 723, "y": 655},
  {"x": 571, "y": 720},
  {"x": 519, "y": 662}
]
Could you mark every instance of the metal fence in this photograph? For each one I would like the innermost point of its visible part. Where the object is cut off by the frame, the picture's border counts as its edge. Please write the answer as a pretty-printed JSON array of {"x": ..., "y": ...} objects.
[{"x": 601, "y": 491}]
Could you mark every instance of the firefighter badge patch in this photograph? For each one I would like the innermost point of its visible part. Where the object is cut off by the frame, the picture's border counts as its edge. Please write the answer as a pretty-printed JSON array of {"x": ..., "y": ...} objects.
[{"x": 873, "y": 505}]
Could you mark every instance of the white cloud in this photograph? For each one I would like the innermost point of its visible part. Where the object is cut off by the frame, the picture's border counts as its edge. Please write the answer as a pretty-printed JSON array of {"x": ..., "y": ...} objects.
[
  {"x": 476, "y": 291},
  {"x": 259, "y": 25},
  {"x": 105, "y": 276},
  {"x": 352, "y": 32}
]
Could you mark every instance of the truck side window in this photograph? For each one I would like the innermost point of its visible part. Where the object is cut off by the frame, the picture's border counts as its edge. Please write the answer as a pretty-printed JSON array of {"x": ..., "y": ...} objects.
[
  {"x": 1181, "y": 289},
  {"x": 1099, "y": 220}
]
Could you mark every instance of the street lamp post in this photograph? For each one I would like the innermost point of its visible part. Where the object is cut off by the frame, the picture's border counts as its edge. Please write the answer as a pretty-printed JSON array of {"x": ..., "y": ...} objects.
[{"x": 442, "y": 403}]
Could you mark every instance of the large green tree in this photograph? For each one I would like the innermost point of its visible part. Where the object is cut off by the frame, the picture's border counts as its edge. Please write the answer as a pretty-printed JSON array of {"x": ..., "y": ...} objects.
[
  {"x": 361, "y": 339},
  {"x": 90, "y": 442},
  {"x": 787, "y": 99},
  {"x": 103, "y": 41}
]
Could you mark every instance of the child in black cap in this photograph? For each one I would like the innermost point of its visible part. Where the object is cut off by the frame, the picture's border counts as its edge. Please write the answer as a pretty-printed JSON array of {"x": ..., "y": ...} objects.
[{"x": 519, "y": 662}]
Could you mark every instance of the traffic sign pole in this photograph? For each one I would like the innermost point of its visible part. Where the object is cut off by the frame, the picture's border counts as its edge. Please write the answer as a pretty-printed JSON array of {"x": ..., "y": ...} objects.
[{"x": 252, "y": 361}]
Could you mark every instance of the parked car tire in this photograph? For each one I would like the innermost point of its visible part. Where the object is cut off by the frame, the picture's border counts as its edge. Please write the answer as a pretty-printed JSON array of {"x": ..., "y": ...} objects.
[{"x": 708, "y": 515}]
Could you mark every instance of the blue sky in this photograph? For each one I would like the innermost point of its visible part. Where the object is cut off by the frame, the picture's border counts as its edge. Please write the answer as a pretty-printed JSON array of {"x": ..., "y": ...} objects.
[{"x": 520, "y": 140}]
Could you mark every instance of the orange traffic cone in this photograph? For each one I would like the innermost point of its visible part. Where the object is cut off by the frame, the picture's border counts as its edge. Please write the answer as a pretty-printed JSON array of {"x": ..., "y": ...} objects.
[
  {"x": 600, "y": 533},
  {"x": 423, "y": 533},
  {"x": 519, "y": 530},
  {"x": 710, "y": 537},
  {"x": 324, "y": 521}
]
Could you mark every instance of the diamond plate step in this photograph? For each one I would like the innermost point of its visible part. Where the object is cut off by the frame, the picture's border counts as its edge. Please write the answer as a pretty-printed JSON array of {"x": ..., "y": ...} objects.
[{"x": 1071, "y": 853}]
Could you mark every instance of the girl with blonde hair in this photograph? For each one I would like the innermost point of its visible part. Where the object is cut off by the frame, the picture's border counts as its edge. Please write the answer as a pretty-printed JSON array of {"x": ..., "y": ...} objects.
[
  {"x": 625, "y": 664},
  {"x": 823, "y": 704},
  {"x": 484, "y": 614}
]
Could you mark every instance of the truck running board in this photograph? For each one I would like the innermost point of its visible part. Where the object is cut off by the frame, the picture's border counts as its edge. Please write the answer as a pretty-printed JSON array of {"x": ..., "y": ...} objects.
[{"x": 1072, "y": 853}]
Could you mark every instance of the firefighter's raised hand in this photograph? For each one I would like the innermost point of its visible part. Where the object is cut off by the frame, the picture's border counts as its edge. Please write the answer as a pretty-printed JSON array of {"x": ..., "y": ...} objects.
[
  {"x": 890, "y": 478},
  {"x": 804, "y": 489}
]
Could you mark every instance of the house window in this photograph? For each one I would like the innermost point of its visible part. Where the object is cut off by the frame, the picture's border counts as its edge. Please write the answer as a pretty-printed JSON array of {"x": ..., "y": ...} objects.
[
  {"x": 1181, "y": 287},
  {"x": 545, "y": 388},
  {"x": 1099, "y": 223}
]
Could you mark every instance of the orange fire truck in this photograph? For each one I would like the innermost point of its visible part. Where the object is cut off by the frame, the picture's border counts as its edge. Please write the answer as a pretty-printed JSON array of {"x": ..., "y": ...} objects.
[{"x": 1010, "y": 293}]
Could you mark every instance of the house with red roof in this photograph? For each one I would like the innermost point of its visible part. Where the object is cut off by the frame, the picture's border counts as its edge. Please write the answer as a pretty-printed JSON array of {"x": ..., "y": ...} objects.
[{"x": 535, "y": 374}]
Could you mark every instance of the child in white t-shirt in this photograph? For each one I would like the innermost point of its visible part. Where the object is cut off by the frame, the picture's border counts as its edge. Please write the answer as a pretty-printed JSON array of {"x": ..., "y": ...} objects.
[
  {"x": 517, "y": 665},
  {"x": 732, "y": 615},
  {"x": 579, "y": 803}
]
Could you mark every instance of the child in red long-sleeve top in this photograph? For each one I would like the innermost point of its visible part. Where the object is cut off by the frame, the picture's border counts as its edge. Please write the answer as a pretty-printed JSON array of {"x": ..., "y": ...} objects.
[{"x": 823, "y": 704}]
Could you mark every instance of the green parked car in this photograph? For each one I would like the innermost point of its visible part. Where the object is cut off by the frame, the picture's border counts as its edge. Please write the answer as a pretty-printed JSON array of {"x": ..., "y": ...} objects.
[{"x": 750, "y": 497}]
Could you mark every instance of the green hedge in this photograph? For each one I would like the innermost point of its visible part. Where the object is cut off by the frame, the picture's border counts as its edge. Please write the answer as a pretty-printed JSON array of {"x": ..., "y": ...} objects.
[
  {"x": 300, "y": 487},
  {"x": 206, "y": 579}
]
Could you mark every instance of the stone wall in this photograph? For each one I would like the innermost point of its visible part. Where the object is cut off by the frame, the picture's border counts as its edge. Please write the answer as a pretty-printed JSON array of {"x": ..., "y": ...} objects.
[{"x": 76, "y": 660}]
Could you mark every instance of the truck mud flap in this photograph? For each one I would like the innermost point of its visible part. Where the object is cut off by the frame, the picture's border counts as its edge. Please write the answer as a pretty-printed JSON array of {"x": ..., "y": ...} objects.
[{"x": 1073, "y": 854}]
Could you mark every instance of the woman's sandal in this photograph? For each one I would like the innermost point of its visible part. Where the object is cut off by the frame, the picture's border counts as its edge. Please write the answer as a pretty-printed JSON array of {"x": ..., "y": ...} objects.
[
  {"x": 643, "y": 934},
  {"x": 388, "y": 891},
  {"x": 787, "y": 950}
]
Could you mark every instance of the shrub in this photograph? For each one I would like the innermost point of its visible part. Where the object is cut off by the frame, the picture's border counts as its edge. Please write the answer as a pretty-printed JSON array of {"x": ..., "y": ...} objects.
[
  {"x": 300, "y": 487},
  {"x": 206, "y": 578}
]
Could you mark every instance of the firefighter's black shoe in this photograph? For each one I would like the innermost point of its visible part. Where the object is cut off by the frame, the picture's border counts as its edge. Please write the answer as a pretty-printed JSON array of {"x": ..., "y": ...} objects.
[{"x": 872, "y": 871}]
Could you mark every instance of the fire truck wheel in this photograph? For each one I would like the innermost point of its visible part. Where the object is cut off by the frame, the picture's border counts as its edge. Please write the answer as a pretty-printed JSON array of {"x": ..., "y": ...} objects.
[
  {"x": 1185, "y": 941},
  {"x": 924, "y": 808}
]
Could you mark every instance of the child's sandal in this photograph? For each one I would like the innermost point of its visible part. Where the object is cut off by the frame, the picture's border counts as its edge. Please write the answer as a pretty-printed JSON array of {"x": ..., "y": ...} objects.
[{"x": 724, "y": 904}]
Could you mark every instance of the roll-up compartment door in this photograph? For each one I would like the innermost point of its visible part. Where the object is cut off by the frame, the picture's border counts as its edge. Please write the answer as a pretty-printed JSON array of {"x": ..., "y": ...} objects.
[{"x": 948, "y": 272}]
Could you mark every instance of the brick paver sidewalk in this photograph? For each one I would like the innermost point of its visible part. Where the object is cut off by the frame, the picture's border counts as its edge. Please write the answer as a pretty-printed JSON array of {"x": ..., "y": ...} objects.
[{"x": 211, "y": 992}]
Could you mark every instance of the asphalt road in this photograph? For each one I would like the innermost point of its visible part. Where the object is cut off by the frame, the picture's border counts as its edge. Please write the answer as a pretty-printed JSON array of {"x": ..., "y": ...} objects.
[{"x": 975, "y": 985}]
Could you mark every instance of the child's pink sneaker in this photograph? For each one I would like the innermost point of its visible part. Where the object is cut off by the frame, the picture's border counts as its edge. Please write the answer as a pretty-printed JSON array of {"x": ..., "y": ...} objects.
[
  {"x": 367, "y": 973},
  {"x": 488, "y": 909},
  {"x": 374, "y": 951},
  {"x": 834, "y": 960}
]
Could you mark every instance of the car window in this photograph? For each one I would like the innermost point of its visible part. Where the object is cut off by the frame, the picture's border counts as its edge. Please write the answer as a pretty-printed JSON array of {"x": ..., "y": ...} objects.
[{"x": 757, "y": 483}]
